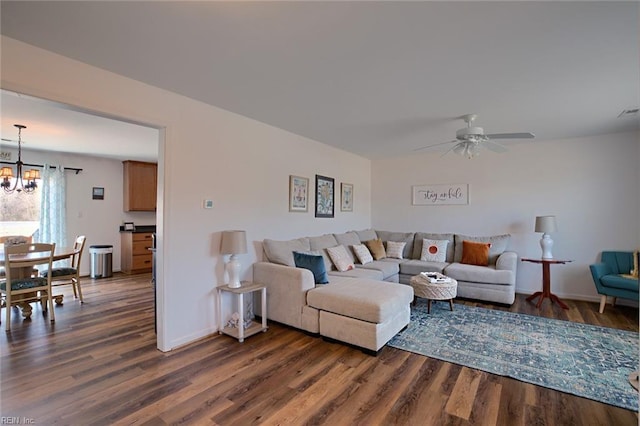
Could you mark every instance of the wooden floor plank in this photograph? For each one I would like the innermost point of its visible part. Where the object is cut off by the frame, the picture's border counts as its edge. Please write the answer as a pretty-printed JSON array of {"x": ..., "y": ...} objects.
[
  {"x": 464, "y": 393},
  {"x": 98, "y": 364}
]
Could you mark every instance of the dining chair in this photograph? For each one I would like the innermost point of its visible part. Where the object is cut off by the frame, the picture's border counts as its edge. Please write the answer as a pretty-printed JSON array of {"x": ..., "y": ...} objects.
[
  {"x": 20, "y": 286},
  {"x": 12, "y": 240},
  {"x": 71, "y": 274}
]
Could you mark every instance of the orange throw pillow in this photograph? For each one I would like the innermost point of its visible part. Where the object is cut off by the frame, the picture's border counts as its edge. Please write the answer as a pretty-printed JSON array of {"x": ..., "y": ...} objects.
[
  {"x": 376, "y": 248},
  {"x": 475, "y": 253}
]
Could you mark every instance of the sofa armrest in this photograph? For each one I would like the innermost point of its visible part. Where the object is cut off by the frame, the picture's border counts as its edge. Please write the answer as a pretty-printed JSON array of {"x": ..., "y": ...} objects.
[
  {"x": 286, "y": 291},
  {"x": 507, "y": 261}
]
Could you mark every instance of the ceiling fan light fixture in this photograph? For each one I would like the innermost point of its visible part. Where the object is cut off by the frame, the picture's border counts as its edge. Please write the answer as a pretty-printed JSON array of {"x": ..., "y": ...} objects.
[{"x": 467, "y": 149}]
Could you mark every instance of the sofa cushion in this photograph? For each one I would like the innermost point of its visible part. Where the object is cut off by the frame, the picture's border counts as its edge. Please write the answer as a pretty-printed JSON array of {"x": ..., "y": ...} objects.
[
  {"x": 407, "y": 237},
  {"x": 417, "y": 244},
  {"x": 281, "y": 252},
  {"x": 376, "y": 247},
  {"x": 366, "y": 300},
  {"x": 480, "y": 274},
  {"x": 372, "y": 274},
  {"x": 362, "y": 253},
  {"x": 366, "y": 235},
  {"x": 321, "y": 244},
  {"x": 434, "y": 250},
  {"x": 414, "y": 267},
  {"x": 388, "y": 269},
  {"x": 314, "y": 263},
  {"x": 475, "y": 253},
  {"x": 618, "y": 281},
  {"x": 498, "y": 245},
  {"x": 340, "y": 258},
  {"x": 348, "y": 239}
]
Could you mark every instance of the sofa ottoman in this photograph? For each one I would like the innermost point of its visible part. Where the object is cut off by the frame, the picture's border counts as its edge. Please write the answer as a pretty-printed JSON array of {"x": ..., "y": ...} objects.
[{"x": 363, "y": 312}]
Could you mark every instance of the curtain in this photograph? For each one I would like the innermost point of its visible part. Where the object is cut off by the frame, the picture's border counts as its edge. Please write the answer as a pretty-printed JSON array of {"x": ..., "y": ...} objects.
[{"x": 53, "y": 210}]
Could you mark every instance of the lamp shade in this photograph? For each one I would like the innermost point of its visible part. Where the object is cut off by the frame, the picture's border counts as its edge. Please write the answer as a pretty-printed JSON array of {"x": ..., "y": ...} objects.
[
  {"x": 6, "y": 172},
  {"x": 233, "y": 242},
  {"x": 546, "y": 224}
]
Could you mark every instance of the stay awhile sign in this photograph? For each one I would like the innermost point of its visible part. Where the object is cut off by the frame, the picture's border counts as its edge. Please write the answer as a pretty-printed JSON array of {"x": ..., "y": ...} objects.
[{"x": 433, "y": 195}]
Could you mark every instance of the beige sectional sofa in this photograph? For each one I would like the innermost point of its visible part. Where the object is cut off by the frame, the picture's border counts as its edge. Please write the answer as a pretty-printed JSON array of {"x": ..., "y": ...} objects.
[{"x": 366, "y": 306}]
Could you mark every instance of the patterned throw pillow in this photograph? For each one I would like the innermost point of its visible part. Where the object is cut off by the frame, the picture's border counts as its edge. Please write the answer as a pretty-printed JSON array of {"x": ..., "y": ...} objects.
[
  {"x": 340, "y": 258},
  {"x": 394, "y": 249},
  {"x": 475, "y": 253},
  {"x": 434, "y": 250},
  {"x": 362, "y": 252},
  {"x": 377, "y": 249}
]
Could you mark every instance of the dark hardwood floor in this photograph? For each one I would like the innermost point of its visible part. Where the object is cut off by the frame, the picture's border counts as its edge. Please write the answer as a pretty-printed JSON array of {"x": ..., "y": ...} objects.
[{"x": 98, "y": 364}]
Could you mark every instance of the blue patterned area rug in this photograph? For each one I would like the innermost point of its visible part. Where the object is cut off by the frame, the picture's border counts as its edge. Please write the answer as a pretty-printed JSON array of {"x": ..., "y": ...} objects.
[{"x": 585, "y": 360}]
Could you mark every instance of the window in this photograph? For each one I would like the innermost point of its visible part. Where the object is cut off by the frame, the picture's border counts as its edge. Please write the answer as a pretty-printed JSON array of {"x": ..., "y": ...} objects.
[{"x": 20, "y": 212}]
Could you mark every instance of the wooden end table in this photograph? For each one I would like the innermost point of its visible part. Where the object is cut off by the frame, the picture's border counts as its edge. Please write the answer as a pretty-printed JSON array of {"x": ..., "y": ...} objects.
[
  {"x": 240, "y": 332},
  {"x": 546, "y": 281}
]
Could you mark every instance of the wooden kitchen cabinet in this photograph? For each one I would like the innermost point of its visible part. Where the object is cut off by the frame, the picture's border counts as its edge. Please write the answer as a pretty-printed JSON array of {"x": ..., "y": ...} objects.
[
  {"x": 136, "y": 257},
  {"x": 140, "y": 186}
]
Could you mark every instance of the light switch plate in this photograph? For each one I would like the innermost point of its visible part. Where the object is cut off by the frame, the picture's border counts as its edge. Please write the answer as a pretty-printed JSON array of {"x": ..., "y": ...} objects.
[{"x": 207, "y": 204}]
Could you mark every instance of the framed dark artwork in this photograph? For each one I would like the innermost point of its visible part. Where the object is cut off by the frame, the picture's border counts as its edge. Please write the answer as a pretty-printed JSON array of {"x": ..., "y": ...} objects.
[
  {"x": 98, "y": 193},
  {"x": 325, "y": 196}
]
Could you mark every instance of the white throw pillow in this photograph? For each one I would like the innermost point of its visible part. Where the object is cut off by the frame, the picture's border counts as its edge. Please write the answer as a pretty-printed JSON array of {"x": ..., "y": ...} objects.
[
  {"x": 434, "y": 250},
  {"x": 394, "y": 249},
  {"x": 340, "y": 258},
  {"x": 363, "y": 254}
]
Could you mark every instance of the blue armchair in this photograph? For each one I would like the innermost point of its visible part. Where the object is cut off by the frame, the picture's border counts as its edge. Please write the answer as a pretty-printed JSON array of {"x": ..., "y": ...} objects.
[{"x": 613, "y": 276}]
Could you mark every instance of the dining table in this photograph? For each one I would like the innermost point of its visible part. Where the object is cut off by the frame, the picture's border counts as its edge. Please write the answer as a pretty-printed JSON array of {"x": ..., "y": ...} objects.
[{"x": 60, "y": 253}]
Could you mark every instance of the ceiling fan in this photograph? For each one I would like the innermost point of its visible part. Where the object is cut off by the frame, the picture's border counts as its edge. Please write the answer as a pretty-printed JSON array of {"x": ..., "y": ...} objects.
[{"x": 469, "y": 139}]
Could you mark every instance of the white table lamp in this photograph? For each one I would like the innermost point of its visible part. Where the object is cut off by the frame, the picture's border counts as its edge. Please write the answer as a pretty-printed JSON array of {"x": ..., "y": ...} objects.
[
  {"x": 233, "y": 243},
  {"x": 546, "y": 225}
]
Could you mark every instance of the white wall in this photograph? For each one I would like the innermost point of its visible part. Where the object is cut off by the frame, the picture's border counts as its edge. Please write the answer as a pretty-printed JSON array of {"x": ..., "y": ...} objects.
[
  {"x": 98, "y": 220},
  {"x": 205, "y": 153},
  {"x": 590, "y": 184}
]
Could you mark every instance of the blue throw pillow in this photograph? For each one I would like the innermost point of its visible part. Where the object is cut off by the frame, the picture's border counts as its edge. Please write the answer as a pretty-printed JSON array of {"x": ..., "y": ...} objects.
[{"x": 314, "y": 263}]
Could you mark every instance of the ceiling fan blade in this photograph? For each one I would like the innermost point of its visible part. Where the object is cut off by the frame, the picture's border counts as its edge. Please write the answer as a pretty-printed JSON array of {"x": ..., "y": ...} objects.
[
  {"x": 511, "y": 136},
  {"x": 450, "y": 149},
  {"x": 431, "y": 146},
  {"x": 494, "y": 146}
]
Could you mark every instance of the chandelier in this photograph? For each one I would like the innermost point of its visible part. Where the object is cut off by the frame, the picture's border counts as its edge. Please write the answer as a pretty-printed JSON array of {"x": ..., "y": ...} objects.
[{"x": 30, "y": 176}]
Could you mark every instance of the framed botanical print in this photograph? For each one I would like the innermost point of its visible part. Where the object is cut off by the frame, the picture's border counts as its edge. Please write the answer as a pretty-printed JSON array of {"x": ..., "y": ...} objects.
[
  {"x": 346, "y": 197},
  {"x": 298, "y": 194},
  {"x": 325, "y": 196}
]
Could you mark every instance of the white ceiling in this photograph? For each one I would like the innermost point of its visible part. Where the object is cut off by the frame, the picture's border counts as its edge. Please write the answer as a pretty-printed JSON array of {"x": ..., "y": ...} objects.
[
  {"x": 374, "y": 78},
  {"x": 56, "y": 127}
]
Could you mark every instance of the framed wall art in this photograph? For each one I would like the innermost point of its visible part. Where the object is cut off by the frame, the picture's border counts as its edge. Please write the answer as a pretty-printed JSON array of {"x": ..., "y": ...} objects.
[
  {"x": 346, "y": 197},
  {"x": 434, "y": 195},
  {"x": 298, "y": 194},
  {"x": 97, "y": 193},
  {"x": 325, "y": 196}
]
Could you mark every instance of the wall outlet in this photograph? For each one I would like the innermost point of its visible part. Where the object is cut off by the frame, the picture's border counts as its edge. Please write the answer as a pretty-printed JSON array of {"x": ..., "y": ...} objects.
[{"x": 207, "y": 204}]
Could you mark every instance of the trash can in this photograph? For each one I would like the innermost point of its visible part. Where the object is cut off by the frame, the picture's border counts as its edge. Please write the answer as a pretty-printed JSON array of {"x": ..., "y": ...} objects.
[{"x": 101, "y": 261}]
